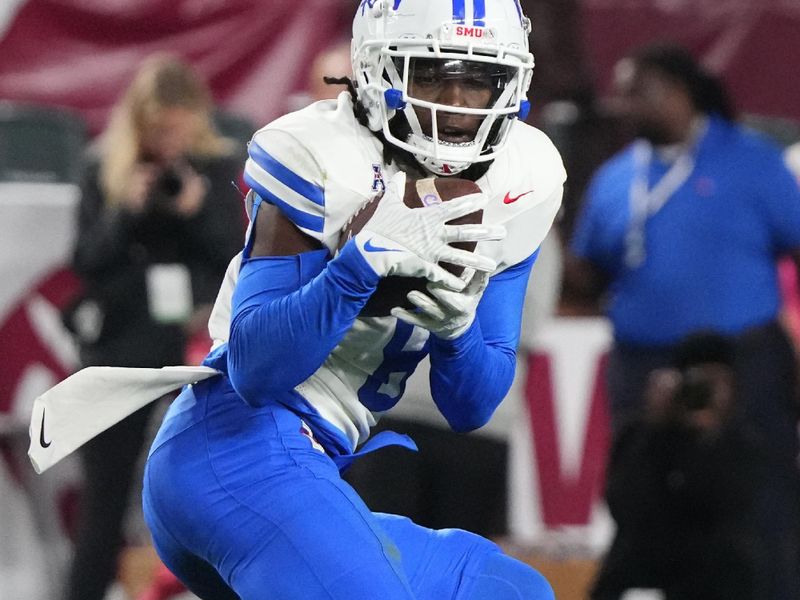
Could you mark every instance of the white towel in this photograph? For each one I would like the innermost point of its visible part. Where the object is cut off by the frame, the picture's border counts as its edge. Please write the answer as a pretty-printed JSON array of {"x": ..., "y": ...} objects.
[{"x": 87, "y": 403}]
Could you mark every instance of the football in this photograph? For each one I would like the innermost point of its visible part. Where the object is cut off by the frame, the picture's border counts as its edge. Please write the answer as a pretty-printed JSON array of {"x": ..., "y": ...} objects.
[{"x": 392, "y": 290}]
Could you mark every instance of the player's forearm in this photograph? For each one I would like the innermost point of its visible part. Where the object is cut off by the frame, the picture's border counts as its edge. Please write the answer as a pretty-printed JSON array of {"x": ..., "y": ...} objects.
[
  {"x": 470, "y": 377},
  {"x": 288, "y": 315}
]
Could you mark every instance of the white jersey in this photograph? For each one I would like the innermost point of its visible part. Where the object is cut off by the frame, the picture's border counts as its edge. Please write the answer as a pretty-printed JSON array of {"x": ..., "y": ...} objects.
[{"x": 319, "y": 166}]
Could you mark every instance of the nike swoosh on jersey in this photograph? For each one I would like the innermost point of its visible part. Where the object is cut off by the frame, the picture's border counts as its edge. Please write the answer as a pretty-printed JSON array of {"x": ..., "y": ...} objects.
[
  {"x": 370, "y": 248},
  {"x": 42, "y": 442},
  {"x": 509, "y": 199}
]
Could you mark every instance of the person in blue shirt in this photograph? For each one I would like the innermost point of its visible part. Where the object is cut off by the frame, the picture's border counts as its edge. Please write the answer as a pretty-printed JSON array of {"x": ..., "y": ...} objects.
[{"x": 681, "y": 231}]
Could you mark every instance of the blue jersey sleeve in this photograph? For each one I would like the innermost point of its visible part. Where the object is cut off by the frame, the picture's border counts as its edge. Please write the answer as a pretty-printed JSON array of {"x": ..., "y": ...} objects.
[
  {"x": 288, "y": 315},
  {"x": 472, "y": 374}
]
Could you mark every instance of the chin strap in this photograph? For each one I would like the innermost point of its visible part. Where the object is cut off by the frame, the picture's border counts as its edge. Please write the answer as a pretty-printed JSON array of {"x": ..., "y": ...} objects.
[{"x": 440, "y": 168}]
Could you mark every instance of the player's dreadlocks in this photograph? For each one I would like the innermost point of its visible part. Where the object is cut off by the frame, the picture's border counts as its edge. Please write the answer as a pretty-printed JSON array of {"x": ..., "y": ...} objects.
[{"x": 391, "y": 153}]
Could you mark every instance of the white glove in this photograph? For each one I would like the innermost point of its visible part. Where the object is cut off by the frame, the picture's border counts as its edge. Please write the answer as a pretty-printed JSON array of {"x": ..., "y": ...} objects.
[
  {"x": 410, "y": 242},
  {"x": 447, "y": 314}
]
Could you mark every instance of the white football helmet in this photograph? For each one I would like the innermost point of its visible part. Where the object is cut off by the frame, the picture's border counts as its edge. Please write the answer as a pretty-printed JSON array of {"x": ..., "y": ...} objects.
[{"x": 391, "y": 36}]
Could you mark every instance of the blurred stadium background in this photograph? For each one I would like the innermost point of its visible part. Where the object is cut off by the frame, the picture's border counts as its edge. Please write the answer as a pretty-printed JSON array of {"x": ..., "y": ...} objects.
[{"x": 63, "y": 64}]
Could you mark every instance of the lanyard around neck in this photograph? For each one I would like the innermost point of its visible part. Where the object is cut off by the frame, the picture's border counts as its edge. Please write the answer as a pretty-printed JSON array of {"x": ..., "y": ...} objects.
[{"x": 645, "y": 201}]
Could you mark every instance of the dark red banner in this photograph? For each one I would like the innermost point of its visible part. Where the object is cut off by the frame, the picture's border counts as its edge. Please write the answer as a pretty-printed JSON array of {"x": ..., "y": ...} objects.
[
  {"x": 256, "y": 53},
  {"x": 753, "y": 44},
  {"x": 81, "y": 54}
]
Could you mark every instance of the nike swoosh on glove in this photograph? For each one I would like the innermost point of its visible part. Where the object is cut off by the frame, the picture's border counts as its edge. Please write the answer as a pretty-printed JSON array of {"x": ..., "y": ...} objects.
[
  {"x": 446, "y": 313},
  {"x": 410, "y": 242}
]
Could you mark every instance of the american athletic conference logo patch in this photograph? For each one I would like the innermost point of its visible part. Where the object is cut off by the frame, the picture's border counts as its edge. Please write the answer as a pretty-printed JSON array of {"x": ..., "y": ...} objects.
[{"x": 377, "y": 178}]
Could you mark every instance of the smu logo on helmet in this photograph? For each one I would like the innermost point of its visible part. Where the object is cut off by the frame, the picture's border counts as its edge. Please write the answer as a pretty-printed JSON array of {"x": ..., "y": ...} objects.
[{"x": 474, "y": 32}]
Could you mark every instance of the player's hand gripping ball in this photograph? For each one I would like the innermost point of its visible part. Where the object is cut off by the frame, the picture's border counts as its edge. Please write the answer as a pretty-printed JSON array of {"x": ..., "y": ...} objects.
[{"x": 392, "y": 290}]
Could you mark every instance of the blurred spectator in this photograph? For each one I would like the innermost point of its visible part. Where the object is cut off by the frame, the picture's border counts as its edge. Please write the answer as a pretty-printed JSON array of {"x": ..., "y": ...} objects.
[
  {"x": 456, "y": 480},
  {"x": 682, "y": 483},
  {"x": 325, "y": 76},
  {"x": 159, "y": 220},
  {"x": 683, "y": 229}
]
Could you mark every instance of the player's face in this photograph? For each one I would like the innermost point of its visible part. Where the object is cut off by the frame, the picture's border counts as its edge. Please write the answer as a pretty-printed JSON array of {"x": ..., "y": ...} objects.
[{"x": 457, "y": 83}]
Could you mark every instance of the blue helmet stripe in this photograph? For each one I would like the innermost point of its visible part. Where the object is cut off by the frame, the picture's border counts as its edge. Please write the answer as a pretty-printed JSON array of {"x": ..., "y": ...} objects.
[
  {"x": 285, "y": 175},
  {"x": 459, "y": 11},
  {"x": 479, "y": 13},
  {"x": 519, "y": 9}
]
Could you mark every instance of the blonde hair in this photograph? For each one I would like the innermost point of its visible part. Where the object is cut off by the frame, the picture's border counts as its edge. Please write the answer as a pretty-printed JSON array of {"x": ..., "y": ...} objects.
[{"x": 163, "y": 81}]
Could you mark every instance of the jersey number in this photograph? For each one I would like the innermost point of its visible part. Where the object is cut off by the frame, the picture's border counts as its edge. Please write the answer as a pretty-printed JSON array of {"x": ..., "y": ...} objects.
[{"x": 385, "y": 386}]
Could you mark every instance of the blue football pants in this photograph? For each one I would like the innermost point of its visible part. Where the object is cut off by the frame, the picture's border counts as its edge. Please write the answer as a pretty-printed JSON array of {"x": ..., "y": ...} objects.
[{"x": 241, "y": 503}]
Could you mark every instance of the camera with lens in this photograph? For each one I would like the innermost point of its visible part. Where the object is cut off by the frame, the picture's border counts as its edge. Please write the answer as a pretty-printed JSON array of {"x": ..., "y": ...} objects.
[
  {"x": 169, "y": 184},
  {"x": 695, "y": 391}
]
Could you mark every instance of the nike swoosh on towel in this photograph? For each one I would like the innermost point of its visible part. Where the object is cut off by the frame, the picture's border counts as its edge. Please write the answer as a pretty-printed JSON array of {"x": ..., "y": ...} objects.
[{"x": 43, "y": 443}]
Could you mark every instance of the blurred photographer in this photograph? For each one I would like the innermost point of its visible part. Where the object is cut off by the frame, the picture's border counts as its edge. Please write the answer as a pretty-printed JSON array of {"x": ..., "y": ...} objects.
[
  {"x": 683, "y": 485},
  {"x": 159, "y": 221}
]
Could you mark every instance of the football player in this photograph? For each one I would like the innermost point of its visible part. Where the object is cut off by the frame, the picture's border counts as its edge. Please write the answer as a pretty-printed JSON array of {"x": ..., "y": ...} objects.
[{"x": 242, "y": 490}]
